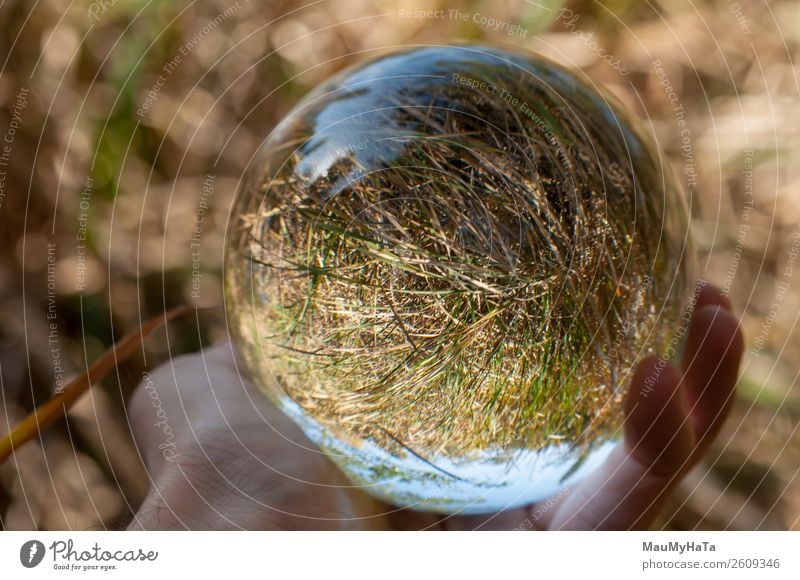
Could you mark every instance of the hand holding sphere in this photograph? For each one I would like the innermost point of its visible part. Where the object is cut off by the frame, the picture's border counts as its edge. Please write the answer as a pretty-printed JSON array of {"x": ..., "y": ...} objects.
[{"x": 452, "y": 269}]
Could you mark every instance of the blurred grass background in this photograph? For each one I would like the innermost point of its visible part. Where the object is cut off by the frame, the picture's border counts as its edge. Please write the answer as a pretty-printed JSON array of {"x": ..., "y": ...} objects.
[{"x": 136, "y": 104}]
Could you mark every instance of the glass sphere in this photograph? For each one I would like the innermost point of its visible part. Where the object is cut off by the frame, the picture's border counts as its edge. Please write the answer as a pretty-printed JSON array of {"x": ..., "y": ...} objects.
[{"x": 443, "y": 266}]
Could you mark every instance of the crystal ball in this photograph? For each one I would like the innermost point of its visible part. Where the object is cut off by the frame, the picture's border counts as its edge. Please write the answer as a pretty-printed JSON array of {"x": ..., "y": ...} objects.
[{"x": 443, "y": 265}]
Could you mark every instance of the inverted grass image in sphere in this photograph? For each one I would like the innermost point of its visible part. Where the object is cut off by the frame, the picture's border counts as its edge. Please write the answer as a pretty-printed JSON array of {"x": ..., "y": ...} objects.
[{"x": 445, "y": 263}]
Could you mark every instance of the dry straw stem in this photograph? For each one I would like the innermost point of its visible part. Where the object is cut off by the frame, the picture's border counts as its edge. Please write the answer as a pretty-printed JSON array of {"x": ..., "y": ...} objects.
[{"x": 56, "y": 407}]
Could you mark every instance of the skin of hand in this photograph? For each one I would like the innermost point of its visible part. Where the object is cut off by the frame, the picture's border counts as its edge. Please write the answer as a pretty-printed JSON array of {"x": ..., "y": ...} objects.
[{"x": 220, "y": 456}]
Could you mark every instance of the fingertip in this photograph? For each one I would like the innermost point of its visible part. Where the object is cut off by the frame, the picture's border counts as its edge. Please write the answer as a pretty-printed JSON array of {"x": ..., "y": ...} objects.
[
  {"x": 708, "y": 295},
  {"x": 714, "y": 335}
]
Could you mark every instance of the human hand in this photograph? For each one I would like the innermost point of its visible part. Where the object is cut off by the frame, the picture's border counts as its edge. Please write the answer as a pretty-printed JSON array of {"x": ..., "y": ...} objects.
[{"x": 221, "y": 456}]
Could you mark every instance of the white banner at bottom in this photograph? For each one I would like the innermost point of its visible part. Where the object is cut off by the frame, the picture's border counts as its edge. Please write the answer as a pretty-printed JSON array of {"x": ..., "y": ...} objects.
[{"x": 382, "y": 555}]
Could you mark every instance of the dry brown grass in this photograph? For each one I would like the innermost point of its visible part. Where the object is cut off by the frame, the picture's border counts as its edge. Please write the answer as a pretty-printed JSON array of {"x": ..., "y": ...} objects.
[{"x": 480, "y": 276}]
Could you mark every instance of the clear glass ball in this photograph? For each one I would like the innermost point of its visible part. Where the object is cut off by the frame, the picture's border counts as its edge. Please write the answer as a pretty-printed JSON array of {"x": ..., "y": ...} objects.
[{"x": 444, "y": 265}]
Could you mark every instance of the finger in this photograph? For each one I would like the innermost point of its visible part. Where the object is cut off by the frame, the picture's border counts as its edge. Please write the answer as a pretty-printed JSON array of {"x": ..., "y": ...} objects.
[
  {"x": 657, "y": 432},
  {"x": 627, "y": 491},
  {"x": 708, "y": 295},
  {"x": 714, "y": 348},
  {"x": 710, "y": 367}
]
